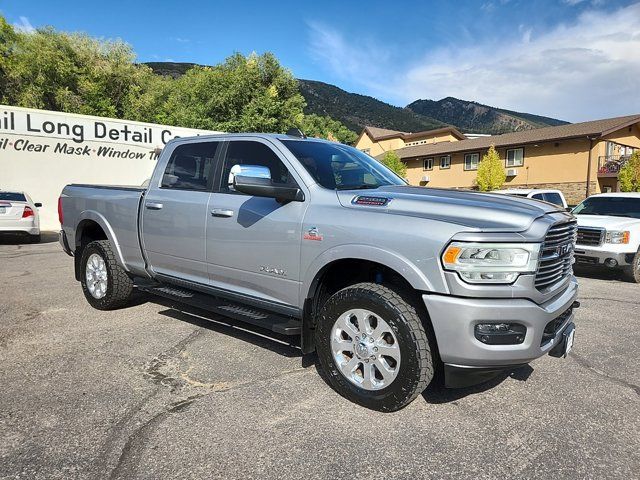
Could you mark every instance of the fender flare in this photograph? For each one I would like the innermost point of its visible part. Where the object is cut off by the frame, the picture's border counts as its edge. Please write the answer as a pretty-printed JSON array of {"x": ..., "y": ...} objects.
[
  {"x": 98, "y": 218},
  {"x": 392, "y": 260}
]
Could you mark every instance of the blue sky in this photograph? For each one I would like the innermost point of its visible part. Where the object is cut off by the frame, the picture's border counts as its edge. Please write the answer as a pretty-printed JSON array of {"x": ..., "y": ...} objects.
[{"x": 571, "y": 59}]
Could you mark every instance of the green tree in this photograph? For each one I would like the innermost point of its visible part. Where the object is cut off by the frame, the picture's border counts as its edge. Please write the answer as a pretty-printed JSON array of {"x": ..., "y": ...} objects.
[
  {"x": 244, "y": 93},
  {"x": 491, "y": 174},
  {"x": 629, "y": 175},
  {"x": 392, "y": 160},
  {"x": 325, "y": 127}
]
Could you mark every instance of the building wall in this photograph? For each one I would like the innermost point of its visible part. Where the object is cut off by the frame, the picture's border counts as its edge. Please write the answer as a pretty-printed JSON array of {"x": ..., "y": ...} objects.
[
  {"x": 380, "y": 147},
  {"x": 430, "y": 139},
  {"x": 42, "y": 151},
  {"x": 629, "y": 136}
]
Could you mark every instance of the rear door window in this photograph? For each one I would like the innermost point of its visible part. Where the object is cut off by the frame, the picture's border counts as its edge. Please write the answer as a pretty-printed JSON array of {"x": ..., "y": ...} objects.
[
  {"x": 553, "y": 197},
  {"x": 191, "y": 167}
]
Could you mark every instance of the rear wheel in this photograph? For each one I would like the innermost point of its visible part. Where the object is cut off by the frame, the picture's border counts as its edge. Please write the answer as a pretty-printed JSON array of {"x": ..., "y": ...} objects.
[
  {"x": 373, "y": 347},
  {"x": 105, "y": 283},
  {"x": 631, "y": 272}
]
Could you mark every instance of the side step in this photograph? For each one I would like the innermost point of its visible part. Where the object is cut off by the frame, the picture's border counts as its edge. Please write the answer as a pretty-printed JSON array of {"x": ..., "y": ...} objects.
[{"x": 260, "y": 318}]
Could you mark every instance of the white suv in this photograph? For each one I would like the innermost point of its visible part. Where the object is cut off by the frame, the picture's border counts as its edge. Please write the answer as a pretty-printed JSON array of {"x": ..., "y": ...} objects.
[
  {"x": 552, "y": 196},
  {"x": 19, "y": 214},
  {"x": 609, "y": 232}
]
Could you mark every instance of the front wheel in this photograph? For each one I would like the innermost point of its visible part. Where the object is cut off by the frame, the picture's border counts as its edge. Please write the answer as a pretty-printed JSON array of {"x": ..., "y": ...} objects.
[
  {"x": 632, "y": 272},
  {"x": 373, "y": 347},
  {"x": 105, "y": 283}
]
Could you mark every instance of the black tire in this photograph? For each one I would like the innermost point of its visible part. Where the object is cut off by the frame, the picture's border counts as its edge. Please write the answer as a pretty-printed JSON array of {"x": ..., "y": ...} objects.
[
  {"x": 34, "y": 238},
  {"x": 119, "y": 284},
  {"x": 417, "y": 362},
  {"x": 631, "y": 273}
]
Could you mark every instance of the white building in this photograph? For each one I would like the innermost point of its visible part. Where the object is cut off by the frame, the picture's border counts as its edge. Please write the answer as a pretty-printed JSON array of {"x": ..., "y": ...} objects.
[{"x": 42, "y": 151}]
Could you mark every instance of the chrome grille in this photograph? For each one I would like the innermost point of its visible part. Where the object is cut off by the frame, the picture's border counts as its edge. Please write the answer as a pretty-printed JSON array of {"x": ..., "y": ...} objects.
[
  {"x": 556, "y": 256},
  {"x": 590, "y": 236}
]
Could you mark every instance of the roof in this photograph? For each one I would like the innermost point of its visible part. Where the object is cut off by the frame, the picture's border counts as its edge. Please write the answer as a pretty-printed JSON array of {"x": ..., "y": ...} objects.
[
  {"x": 596, "y": 128},
  {"x": 378, "y": 134}
]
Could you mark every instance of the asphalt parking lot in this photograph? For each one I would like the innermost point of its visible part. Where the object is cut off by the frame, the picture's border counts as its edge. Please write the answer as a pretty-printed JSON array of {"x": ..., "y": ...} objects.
[{"x": 157, "y": 393}]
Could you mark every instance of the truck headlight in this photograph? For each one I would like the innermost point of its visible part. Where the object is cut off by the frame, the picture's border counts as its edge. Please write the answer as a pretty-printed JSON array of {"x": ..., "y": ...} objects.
[
  {"x": 491, "y": 262},
  {"x": 617, "y": 237}
]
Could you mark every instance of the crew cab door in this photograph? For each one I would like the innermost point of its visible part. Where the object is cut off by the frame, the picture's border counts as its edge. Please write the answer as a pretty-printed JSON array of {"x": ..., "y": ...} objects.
[
  {"x": 253, "y": 243},
  {"x": 174, "y": 212}
]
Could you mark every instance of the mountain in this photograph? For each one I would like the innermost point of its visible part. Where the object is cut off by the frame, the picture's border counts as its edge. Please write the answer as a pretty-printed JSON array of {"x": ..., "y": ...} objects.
[
  {"x": 357, "y": 111},
  {"x": 478, "y": 118}
]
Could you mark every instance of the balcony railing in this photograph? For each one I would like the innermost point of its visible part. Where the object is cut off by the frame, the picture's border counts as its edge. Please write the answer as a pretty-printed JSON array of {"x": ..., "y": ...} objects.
[{"x": 610, "y": 165}]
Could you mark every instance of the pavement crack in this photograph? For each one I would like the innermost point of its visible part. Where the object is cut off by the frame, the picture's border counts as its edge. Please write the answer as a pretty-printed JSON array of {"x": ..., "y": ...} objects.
[{"x": 583, "y": 362}]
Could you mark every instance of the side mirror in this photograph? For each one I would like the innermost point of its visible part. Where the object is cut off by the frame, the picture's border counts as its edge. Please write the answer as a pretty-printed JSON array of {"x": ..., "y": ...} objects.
[
  {"x": 264, "y": 187},
  {"x": 38, "y": 204},
  {"x": 255, "y": 171}
]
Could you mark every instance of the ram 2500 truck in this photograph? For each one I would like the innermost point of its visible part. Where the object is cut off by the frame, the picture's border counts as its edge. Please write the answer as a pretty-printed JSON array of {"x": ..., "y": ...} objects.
[{"x": 390, "y": 284}]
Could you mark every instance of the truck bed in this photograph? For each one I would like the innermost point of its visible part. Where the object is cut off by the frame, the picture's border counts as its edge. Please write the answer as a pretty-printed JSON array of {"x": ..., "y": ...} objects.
[{"x": 115, "y": 209}]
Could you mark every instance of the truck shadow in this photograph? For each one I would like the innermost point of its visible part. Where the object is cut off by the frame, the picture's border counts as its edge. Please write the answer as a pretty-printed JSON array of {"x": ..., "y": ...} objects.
[
  {"x": 280, "y": 344},
  {"x": 436, "y": 393},
  {"x": 598, "y": 273}
]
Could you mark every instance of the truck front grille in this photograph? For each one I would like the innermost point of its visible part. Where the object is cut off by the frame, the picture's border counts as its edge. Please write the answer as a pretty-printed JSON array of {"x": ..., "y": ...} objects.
[
  {"x": 556, "y": 256},
  {"x": 590, "y": 236}
]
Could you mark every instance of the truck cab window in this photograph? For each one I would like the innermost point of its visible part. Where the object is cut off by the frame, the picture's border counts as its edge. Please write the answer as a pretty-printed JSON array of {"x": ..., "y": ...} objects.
[
  {"x": 191, "y": 167},
  {"x": 253, "y": 153}
]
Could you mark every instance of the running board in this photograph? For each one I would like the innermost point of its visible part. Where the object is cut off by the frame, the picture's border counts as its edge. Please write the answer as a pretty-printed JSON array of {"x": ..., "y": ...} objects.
[{"x": 254, "y": 316}]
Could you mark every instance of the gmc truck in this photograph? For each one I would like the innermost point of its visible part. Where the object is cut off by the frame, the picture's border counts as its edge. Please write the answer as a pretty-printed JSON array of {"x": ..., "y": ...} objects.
[{"x": 392, "y": 285}]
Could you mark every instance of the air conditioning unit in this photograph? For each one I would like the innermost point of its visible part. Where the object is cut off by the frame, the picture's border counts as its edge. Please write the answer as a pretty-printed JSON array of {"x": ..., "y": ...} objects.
[
  {"x": 425, "y": 178},
  {"x": 512, "y": 172}
]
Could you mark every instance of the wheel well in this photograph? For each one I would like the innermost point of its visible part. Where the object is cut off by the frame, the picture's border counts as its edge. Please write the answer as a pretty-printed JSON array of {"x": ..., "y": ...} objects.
[
  {"x": 342, "y": 273},
  {"x": 87, "y": 232},
  {"x": 349, "y": 271}
]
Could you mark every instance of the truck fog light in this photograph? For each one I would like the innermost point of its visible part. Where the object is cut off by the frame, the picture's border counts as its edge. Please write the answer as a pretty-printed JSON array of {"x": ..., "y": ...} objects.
[
  {"x": 500, "y": 333},
  {"x": 611, "y": 262}
]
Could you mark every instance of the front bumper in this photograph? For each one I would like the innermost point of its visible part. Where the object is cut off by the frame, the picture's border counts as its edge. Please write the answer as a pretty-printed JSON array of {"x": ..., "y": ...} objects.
[
  {"x": 597, "y": 256},
  {"x": 454, "y": 320}
]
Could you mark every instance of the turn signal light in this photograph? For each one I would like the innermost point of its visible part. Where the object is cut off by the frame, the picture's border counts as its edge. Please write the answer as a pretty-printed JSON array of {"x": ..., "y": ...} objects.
[{"x": 28, "y": 212}]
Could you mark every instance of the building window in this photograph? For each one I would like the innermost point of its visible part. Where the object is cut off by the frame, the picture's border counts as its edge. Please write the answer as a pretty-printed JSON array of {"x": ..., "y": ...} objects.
[
  {"x": 445, "y": 162},
  {"x": 428, "y": 164},
  {"x": 515, "y": 157},
  {"x": 471, "y": 161}
]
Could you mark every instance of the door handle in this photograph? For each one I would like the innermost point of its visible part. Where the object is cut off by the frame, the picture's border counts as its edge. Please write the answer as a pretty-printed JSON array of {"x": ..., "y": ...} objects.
[
  {"x": 153, "y": 206},
  {"x": 221, "y": 212}
]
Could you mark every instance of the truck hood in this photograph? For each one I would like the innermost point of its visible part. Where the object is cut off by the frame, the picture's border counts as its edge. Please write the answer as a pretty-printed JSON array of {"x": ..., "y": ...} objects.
[
  {"x": 607, "y": 222},
  {"x": 478, "y": 211}
]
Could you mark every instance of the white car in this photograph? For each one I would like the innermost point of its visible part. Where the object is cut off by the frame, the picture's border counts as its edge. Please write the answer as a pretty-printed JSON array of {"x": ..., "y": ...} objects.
[
  {"x": 551, "y": 196},
  {"x": 19, "y": 215},
  {"x": 609, "y": 232}
]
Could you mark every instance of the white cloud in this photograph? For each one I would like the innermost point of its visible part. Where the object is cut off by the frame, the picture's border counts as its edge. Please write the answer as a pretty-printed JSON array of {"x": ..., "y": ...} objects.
[
  {"x": 24, "y": 25},
  {"x": 182, "y": 40},
  {"x": 585, "y": 70}
]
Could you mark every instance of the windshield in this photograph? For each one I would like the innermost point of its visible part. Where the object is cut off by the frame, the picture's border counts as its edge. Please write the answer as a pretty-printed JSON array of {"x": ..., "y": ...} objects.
[
  {"x": 614, "y": 206},
  {"x": 339, "y": 167},
  {"x": 12, "y": 197}
]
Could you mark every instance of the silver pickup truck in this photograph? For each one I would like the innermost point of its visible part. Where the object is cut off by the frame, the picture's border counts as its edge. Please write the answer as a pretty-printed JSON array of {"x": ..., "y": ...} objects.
[{"x": 391, "y": 285}]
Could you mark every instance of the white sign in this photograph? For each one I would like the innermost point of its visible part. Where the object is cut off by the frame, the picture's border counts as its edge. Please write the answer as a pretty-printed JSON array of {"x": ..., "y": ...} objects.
[{"x": 42, "y": 151}]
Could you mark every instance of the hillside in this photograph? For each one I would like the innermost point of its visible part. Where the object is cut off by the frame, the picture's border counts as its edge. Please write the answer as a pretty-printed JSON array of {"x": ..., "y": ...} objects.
[
  {"x": 474, "y": 117},
  {"x": 355, "y": 110}
]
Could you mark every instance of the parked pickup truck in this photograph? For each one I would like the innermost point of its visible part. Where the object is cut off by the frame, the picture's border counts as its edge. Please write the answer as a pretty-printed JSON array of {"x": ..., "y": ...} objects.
[
  {"x": 609, "y": 233},
  {"x": 390, "y": 284}
]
